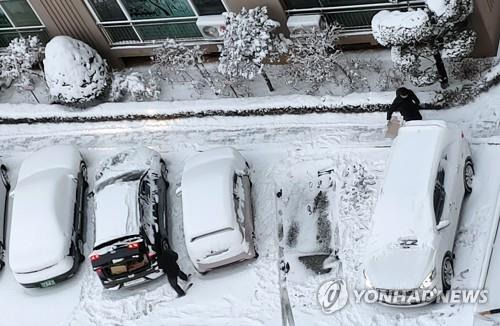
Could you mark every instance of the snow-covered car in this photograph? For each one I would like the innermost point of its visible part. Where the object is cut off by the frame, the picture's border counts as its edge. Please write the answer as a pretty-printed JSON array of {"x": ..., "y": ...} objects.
[
  {"x": 47, "y": 228},
  {"x": 217, "y": 209},
  {"x": 130, "y": 195},
  {"x": 4, "y": 192},
  {"x": 410, "y": 250}
]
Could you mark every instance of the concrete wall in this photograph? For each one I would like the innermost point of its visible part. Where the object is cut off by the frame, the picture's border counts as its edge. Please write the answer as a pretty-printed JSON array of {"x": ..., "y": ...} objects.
[
  {"x": 486, "y": 22},
  {"x": 72, "y": 18}
]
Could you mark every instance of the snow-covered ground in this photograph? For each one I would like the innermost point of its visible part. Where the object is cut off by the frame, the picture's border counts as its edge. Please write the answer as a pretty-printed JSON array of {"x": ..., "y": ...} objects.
[{"x": 285, "y": 152}]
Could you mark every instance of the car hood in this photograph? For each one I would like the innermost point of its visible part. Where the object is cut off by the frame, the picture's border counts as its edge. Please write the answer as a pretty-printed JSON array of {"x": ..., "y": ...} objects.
[{"x": 400, "y": 268}]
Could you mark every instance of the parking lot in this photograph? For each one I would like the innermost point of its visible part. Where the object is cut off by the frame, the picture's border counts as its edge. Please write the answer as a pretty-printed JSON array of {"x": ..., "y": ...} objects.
[{"x": 284, "y": 153}]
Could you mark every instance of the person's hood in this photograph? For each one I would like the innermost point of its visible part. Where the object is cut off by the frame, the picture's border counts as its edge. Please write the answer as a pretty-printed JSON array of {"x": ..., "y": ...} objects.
[{"x": 400, "y": 268}]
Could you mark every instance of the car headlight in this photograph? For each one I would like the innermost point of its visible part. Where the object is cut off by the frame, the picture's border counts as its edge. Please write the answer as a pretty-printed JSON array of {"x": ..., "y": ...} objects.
[
  {"x": 368, "y": 284},
  {"x": 428, "y": 280}
]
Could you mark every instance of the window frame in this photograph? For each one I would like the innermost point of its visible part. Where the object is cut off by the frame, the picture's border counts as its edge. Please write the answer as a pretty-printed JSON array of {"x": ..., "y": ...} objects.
[
  {"x": 133, "y": 23},
  {"x": 19, "y": 30},
  {"x": 330, "y": 11}
]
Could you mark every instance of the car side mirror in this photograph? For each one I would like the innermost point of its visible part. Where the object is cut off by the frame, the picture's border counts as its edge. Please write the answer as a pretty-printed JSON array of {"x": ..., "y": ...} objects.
[
  {"x": 442, "y": 225},
  {"x": 178, "y": 192},
  {"x": 90, "y": 195}
]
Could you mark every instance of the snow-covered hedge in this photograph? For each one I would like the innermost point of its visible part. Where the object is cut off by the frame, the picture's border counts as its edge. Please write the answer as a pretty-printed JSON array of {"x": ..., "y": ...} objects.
[
  {"x": 401, "y": 28},
  {"x": 75, "y": 72}
]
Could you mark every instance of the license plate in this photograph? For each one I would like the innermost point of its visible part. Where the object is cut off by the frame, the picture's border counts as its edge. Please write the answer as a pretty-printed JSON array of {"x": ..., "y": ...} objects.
[{"x": 47, "y": 283}]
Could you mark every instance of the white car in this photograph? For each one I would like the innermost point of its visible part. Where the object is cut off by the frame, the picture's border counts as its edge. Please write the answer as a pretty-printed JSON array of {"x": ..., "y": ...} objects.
[
  {"x": 4, "y": 191},
  {"x": 217, "y": 209},
  {"x": 47, "y": 228},
  {"x": 410, "y": 250}
]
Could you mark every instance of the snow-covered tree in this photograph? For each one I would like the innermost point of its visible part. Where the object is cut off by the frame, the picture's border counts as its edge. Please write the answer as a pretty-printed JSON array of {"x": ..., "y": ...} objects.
[
  {"x": 135, "y": 86},
  {"x": 420, "y": 39},
  {"x": 173, "y": 58},
  {"x": 248, "y": 43},
  {"x": 313, "y": 57},
  {"x": 75, "y": 73},
  {"x": 18, "y": 61}
]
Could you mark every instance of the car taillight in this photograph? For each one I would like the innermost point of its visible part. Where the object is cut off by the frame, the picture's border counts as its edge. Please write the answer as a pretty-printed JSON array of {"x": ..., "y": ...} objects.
[
  {"x": 94, "y": 257},
  {"x": 134, "y": 245}
]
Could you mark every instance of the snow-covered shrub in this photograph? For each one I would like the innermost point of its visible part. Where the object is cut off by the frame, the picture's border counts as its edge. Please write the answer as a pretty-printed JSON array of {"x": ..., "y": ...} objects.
[
  {"x": 248, "y": 43},
  {"x": 401, "y": 28},
  {"x": 135, "y": 86},
  {"x": 75, "y": 72},
  {"x": 422, "y": 36},
  {"x": 172, "y": 58},
  {"x": 18, "y": 61},
  {"x": 313, "y": 57}
]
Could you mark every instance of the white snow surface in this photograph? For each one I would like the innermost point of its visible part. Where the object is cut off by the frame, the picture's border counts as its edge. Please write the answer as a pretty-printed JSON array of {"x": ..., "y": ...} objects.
[
  {"x": 116, "y": 212},
  {"x": 284, "y": 152},
  {"x": 439, "y": 7}
]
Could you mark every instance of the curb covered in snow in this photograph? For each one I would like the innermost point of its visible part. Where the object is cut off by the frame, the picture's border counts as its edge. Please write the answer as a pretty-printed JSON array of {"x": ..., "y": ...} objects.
[{"x": 254, "y": 106}]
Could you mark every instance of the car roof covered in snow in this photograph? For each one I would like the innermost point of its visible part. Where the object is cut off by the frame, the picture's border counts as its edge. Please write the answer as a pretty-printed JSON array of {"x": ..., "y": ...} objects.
[
  {"x": 42, "y": 220},
  {"x": 138, "y": 160},
  {"x": 207, "y": 191},
  {"x": 52, "y": 157},
  {"x": 404, "y": 207},
  {"x": 116, "y": 213}
]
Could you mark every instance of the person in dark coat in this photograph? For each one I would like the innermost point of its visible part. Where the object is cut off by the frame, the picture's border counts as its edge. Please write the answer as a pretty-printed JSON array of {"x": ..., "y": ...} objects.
[
  {"x": 167, "y": 261},
  {"x": 407, "y": 103}
]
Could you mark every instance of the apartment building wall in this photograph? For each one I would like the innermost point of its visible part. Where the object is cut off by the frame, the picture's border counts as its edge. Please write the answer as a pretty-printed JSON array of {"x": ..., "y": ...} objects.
[
  {"x": 71, "y": 17},
  {"x": 486, "y": 22},
  {"x": 75, "y": 18}
]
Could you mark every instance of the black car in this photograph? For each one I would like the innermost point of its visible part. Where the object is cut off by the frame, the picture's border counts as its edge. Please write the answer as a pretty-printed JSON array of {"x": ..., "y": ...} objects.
[{"x": 131, "y": 218}]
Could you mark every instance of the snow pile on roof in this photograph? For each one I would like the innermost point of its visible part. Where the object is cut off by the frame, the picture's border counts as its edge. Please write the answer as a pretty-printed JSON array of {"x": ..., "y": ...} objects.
[
  {"x": 397, "y": 28},
  {"x": 42, "y": 221},
  {"x": 75, "y": 72},
  {"x": 116, "y": 212},
  {"x": 126, "y": 162}
]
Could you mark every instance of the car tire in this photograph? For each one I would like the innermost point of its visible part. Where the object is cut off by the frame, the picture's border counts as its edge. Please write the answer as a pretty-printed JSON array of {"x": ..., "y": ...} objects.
[
  {"x": 468, "y": 175},
  {"x": 447, "y": 272},
  {"x": 5, "y": 176}
]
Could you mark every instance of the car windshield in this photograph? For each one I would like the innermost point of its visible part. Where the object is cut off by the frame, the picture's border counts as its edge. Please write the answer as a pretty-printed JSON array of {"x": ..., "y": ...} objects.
[{"x": 125, "y": 177}]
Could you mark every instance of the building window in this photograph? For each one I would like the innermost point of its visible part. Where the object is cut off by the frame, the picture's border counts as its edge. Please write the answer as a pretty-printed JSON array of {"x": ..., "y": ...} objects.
[
  {"x": 17, "y": 19},
  {"x": 304, "y": 4},
  {"x": 351, "y": 14},
  {"x": 146, "y": 21}
]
